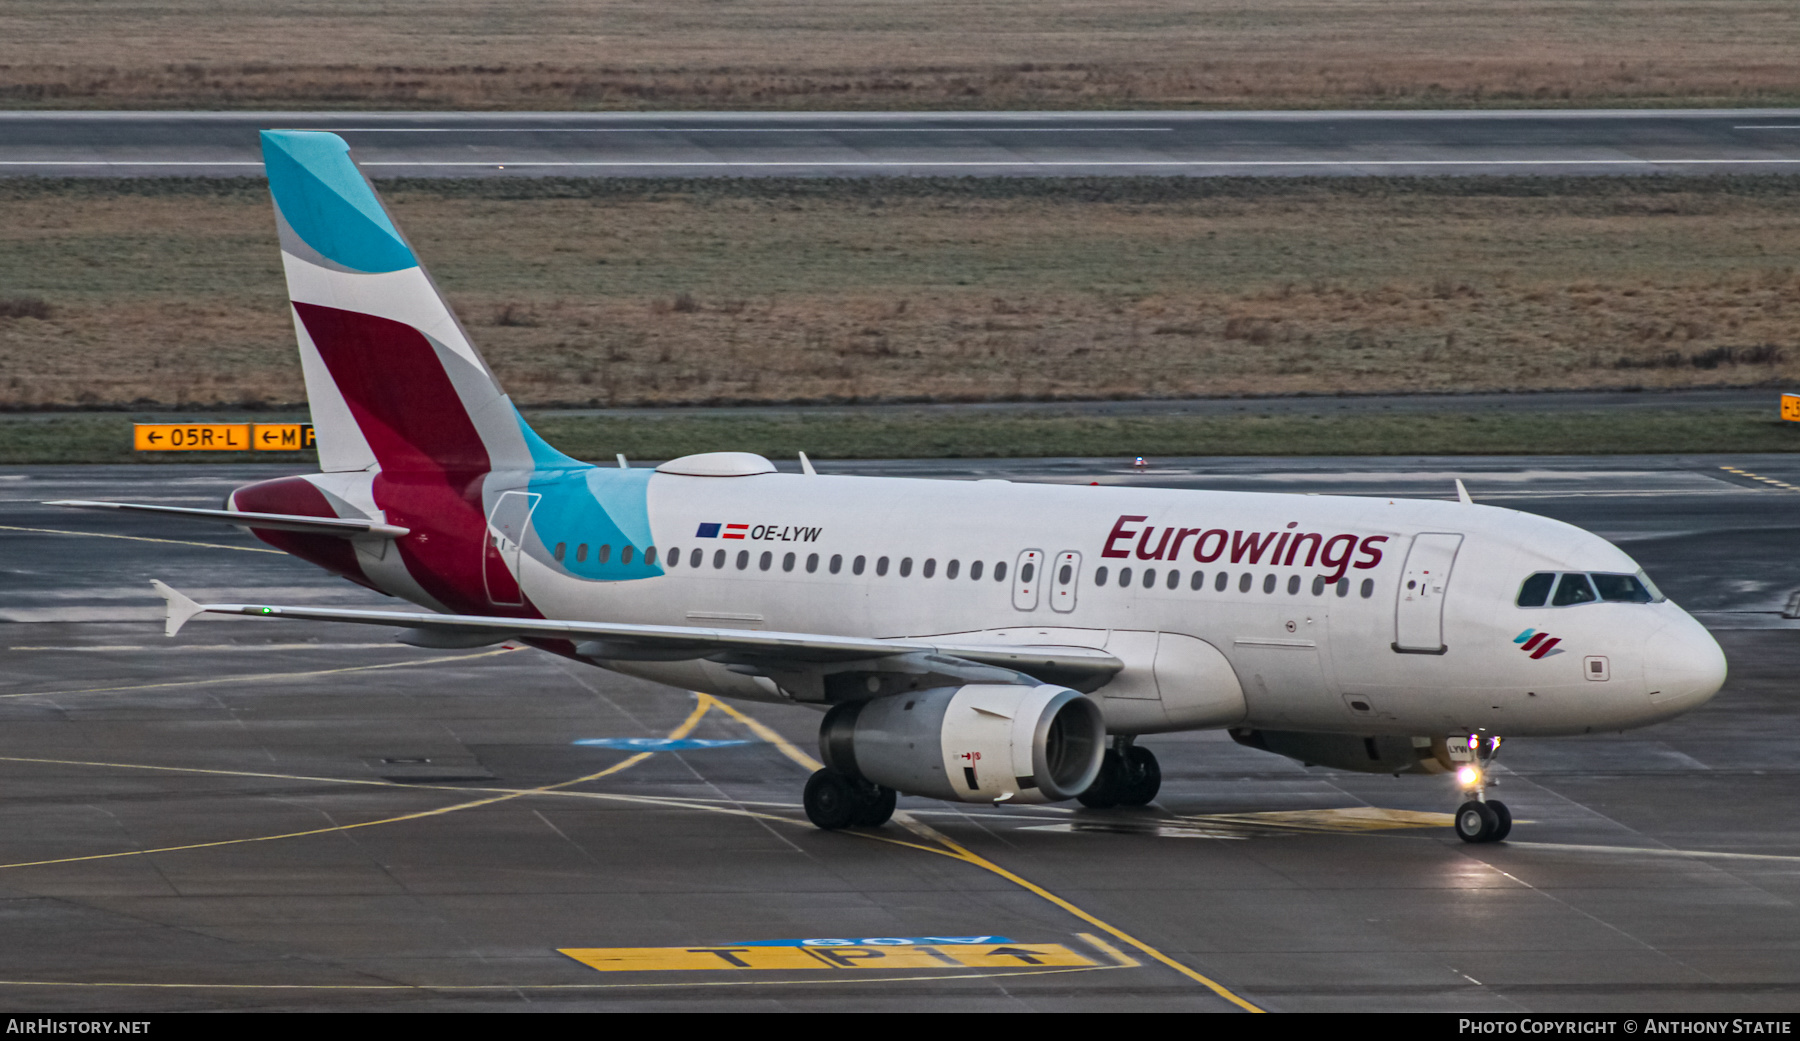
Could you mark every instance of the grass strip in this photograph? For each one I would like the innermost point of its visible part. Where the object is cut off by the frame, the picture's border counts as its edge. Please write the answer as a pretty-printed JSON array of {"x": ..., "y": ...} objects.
[{"x": 83, "y": 438}]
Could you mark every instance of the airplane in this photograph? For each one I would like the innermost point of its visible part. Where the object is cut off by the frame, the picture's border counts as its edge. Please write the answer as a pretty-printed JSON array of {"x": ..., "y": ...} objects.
[{"x": 975, "y": 641}]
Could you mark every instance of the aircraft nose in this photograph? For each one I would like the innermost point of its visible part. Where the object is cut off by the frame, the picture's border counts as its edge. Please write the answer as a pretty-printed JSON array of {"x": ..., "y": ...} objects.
[{"x": 1683, "y": 665}]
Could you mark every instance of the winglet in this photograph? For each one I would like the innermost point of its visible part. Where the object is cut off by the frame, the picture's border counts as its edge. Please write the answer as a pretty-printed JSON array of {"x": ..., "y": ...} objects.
[
  {"x": 1462, "y": 494},
  {"x": 180, "y": 607}
]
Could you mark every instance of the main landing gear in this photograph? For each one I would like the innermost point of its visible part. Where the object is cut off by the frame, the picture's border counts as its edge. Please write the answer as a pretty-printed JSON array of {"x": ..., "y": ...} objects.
[
  {"x": 836, "y": 800},
  {"x": 1479, "y": 818},
  {"x": 1129, "y": 776}
]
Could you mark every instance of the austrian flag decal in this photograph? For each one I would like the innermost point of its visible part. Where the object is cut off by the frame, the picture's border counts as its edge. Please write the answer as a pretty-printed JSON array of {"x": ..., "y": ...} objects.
[{"x": 1536, "y": 644}]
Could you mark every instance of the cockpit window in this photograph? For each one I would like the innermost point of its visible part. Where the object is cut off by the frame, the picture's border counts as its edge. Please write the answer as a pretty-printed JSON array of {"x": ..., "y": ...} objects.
[
  {"x": 1577, "y": 588},
  {"x": 1536, "y": 589},
  {"x": 1573, "y": 589},
  {"x": 1622, "y": 588}
]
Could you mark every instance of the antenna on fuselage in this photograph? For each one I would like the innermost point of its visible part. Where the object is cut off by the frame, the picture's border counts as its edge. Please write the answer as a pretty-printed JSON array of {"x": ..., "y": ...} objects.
[
  {"x": 806, "y": 466},
  {"x": 1462, "y": 494},
  {"x": 620, "y": 456}
]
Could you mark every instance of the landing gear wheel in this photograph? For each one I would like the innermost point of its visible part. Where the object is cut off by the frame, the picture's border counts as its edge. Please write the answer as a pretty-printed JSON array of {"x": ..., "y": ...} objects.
[
  {"x": 1504, "y": 816},
  {"x": 1104, "y": 793},
  {"x": 1475, "y": 822},
  {"x": 831, "y": 800},
  {"x": 874, "y": 806},
  {"x": 1142, "y": 777}
]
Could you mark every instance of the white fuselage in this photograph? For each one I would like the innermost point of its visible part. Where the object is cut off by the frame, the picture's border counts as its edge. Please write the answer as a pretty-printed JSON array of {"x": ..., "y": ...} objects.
[{"x": 1274, "y": 646}]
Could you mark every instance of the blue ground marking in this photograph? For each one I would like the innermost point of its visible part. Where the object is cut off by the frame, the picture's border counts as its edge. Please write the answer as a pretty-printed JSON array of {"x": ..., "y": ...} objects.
[
  {"x": 878, "y": 941},
  {"x": 655, "y": 744}
]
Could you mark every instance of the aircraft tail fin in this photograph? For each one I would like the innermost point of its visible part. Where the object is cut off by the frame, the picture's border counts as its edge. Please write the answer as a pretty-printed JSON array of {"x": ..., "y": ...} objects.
[{"x": 393, "y": 380}]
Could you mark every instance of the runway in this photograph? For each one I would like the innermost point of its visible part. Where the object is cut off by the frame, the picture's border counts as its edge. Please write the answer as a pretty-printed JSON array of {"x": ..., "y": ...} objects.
[
  {"x": 270, "y": 815},
  {"x": 827, "y": 144}
]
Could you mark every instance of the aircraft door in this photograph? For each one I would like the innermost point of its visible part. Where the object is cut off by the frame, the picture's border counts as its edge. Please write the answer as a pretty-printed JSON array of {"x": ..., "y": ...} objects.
[
  {"x": 1064, "y": 576},
  {"x": 500, "y": 550},
  {"x": 1027, "y": 576},
  {"x": 1419, "y": 607}
]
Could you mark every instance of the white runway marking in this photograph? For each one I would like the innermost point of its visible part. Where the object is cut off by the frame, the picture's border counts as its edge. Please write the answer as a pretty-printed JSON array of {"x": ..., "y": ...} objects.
[
  {"x": 896, "y": 164},
  {"x": 748, "y": 130}
]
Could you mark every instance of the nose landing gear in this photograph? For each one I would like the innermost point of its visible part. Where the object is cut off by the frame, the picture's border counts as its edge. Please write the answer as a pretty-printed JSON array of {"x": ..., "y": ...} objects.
[{"x": 1479, "y": 818}]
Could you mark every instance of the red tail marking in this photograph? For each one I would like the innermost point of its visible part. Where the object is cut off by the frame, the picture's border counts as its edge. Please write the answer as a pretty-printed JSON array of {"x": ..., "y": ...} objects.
[{"x": 397, "y": 389}]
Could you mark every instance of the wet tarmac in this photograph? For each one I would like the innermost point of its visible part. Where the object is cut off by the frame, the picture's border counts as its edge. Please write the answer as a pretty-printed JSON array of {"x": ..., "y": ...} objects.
[{"x": 297, "y": 816}]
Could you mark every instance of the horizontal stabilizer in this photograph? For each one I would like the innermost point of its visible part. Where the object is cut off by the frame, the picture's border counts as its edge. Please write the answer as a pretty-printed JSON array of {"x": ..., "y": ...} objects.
[
  {"x": 340, "y": 527},
  {"x": 1086, "y": 666},
  {"x": 181, "y": 608}
]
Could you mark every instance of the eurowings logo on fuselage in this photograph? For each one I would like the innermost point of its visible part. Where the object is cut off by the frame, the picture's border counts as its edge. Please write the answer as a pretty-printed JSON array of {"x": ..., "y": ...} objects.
[
  {"x": 1536, "y": 644},
  {"x": 757, "y": 532}
]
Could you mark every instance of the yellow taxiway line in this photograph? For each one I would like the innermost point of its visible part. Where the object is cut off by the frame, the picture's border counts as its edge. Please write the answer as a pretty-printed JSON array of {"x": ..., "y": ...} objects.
[{"x": 941, "y": 845}]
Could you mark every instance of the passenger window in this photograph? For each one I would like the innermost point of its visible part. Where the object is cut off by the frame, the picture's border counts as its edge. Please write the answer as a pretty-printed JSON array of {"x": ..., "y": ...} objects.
[
  {"x": 856, "y": 566},
  {"x": 1099, "y": 576},
  {"x": 1293, "y": 585},
  {"x": 1573, "y": 589},
  {"x": 719, "y": 558},
  {"x": 743, "y": 560},
  {"x": 650, "y": 556},
  {"x": 1124, "y": 577},
  {"x": 1244, "y": 582},
  {"x": 1368, "y": 588},
  {"x": 1318, "y": 585},
  {"x": 1268, "y": 583},
  {"x": 975, "y": 571},
  {"x": 625, "y": 553},
  {"x": 1067, "y": 573},
  {"x": 1149, "y": 577},
  {"x": 561, "y": 547},
  {"x": 1343, "y": 587},
  {"x": 581, "y": 553},
  {"x": 1536, "y": 589},
  {"x": 603, "y": 554},
  {"x": 905, "y": 566},
  {"x": 1174, "y": 581},
  {"x": 787, "y": 562},
  {"x": 881, "y": 566},
  {"x": 1221, "y": 582},
  {"x": 1027, "y": 572},
  {"x": 812, "y": 563},
  {"x": 767, "y": 558},
  {"x": 1623, "y": 589},
  {"x": 695, "y": 557},
  {"x": 951, "y": 569},
  {"x": 1198, "y": 581},
  {"x": 999, "y": 570},
  {"x": 929, "y": 568},
  {"x": 837, "y": 564}
]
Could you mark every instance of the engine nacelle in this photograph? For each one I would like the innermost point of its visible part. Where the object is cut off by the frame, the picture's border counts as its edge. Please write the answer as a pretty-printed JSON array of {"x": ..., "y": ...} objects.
[
  {"x": 1376, "y": 755},
  {"x": 976, "y": 743}
]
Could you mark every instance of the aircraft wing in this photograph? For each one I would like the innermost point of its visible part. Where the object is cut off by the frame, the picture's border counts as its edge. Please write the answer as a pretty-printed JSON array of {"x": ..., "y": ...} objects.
[
  {"x": 341, "y": 527},
  {"x": 1079, "y": 667}
]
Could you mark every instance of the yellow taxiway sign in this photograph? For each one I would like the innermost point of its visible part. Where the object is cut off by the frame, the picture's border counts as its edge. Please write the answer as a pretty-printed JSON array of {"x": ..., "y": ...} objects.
[{"x": 222, "y": 437}]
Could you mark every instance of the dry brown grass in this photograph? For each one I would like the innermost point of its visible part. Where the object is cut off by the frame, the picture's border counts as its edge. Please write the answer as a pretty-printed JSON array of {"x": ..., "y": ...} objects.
[
  {"x": 861, "y": 54},
  {"x": 622, "y": 294}
]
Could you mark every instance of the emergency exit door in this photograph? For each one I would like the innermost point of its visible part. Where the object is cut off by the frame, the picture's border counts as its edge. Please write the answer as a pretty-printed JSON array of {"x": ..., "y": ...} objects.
[
  {"x": 500, "y": 550},
  {"x": 1419, "y": 610}
]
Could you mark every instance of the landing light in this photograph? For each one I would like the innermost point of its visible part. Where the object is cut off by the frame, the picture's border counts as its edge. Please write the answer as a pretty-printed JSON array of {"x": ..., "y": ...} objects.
[{"x": 1468, "y": 775}]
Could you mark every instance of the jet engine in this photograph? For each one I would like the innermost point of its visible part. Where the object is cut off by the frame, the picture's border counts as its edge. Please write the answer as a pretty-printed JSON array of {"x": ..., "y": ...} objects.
[{"x": 975, "y": 743}]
